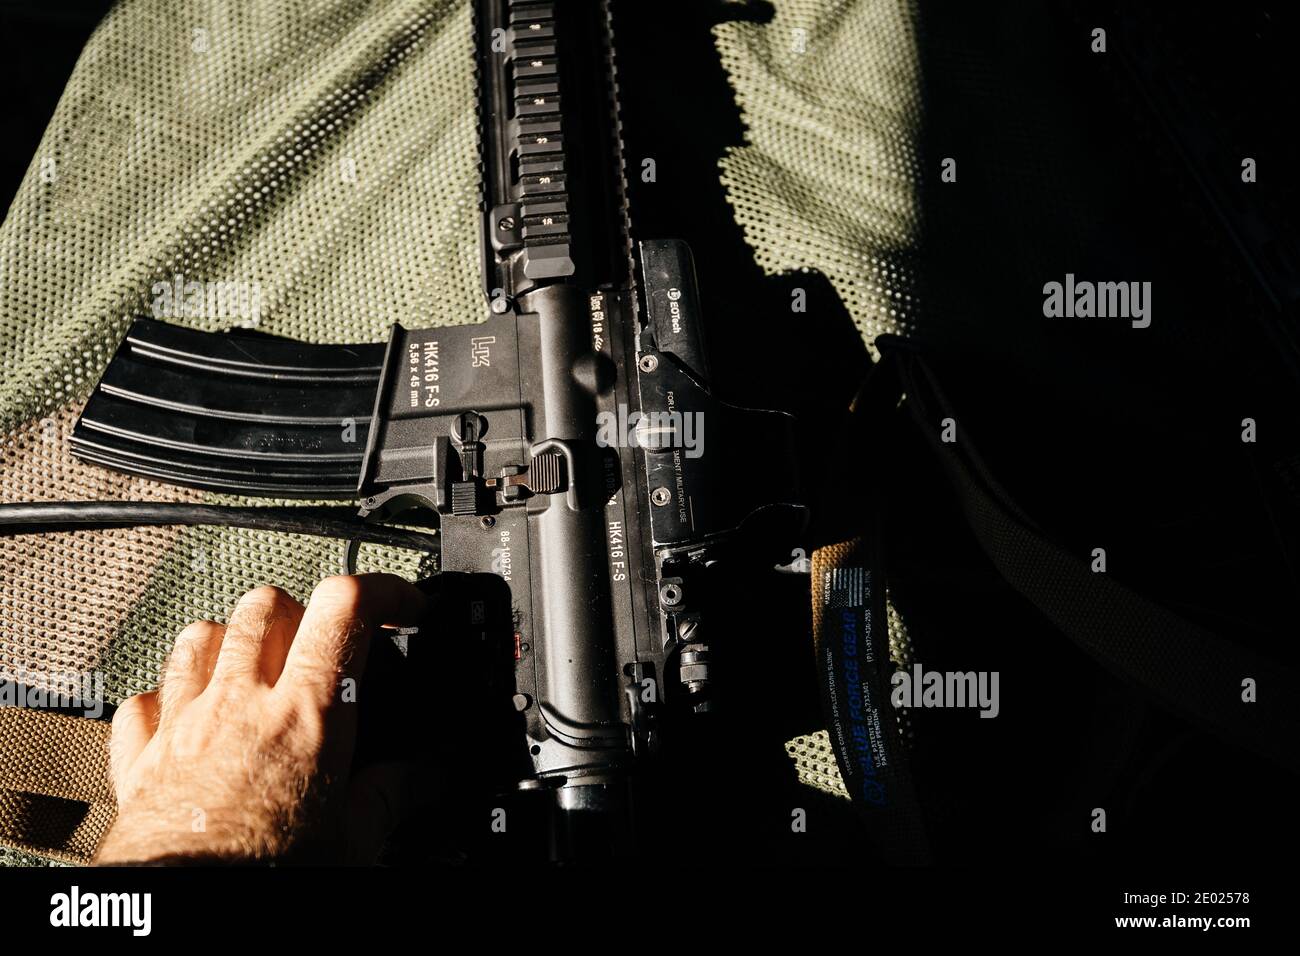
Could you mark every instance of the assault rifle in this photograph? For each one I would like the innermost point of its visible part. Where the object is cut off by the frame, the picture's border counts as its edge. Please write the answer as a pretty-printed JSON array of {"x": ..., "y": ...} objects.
[{"x": 568, "y": 444}]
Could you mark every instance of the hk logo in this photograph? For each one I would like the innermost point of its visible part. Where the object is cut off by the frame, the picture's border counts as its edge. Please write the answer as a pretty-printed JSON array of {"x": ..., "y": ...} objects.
[{"x": 480, "y": 355}]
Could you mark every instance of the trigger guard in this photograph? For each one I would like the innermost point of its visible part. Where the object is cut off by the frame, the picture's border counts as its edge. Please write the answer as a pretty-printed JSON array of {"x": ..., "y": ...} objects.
[{"x": 350, "y": 554}]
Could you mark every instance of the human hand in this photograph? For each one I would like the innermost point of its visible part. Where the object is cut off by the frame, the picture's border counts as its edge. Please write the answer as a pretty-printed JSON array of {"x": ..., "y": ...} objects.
[{"x": 242, "y": 754}]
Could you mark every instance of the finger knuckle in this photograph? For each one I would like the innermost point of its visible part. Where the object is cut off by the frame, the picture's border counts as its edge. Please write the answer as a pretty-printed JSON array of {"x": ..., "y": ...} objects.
[
  {"x": 193, "y": 738},
  {"x": 338, "y": 591},
  {"x": 197, "y": 632},
  {"x": 267, "y": 598},
  {"x": 133, "y": 709},
  {"x": 319, "y": 668},
  {"x": 237, "y": 670},
  {"x": 183, "y": 657},
  {"x": 335, "y": 647}
]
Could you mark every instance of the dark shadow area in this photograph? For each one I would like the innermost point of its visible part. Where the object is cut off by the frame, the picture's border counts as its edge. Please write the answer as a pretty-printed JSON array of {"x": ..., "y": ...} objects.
[
  {"x": 1110, "y": 436},
  {"x": 39, "y": 45},
  {"x": 679, "y": 109}
]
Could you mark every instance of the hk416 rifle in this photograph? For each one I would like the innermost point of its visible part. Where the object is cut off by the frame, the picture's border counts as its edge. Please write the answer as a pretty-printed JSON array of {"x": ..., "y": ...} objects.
[{"x": 569, "y": 443}]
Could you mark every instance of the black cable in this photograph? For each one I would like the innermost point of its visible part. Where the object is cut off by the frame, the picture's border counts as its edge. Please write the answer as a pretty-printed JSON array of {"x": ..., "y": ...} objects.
[{"x": 326, "y": 522}]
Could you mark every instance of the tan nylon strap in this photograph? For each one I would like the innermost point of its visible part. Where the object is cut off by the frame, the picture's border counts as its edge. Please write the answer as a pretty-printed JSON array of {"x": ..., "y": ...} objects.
[
  {"x": 56, "y": 794},
  {"x": 824, "y": 559}
]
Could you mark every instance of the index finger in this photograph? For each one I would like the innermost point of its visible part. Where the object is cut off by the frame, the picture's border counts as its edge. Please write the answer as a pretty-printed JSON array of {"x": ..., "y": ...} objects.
[{"x": 336, "y": 628}]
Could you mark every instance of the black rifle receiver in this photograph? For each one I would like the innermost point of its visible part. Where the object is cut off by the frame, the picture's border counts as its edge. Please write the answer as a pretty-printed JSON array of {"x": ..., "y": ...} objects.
[{"x": 552, "y": 440}]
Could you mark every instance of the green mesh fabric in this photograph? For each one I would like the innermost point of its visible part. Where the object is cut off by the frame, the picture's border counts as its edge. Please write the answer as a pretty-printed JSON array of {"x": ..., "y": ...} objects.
[
  {"x": 324, "y": 153},
  {"x": 830, "y": 96}
]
